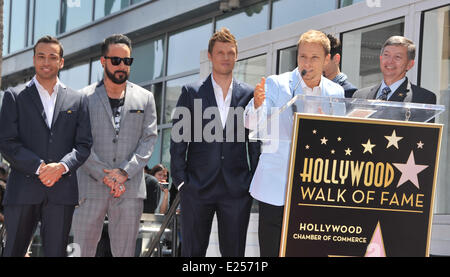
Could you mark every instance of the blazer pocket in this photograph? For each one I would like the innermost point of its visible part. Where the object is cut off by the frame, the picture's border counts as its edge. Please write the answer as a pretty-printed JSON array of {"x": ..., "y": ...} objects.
[
  {"x": 68, "y": 112},
  {"x": 137, "y": 111}
]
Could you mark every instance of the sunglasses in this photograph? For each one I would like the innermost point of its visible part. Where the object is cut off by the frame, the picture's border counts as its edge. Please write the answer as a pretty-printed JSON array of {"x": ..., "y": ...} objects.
[{"x": 117, "y": 60}]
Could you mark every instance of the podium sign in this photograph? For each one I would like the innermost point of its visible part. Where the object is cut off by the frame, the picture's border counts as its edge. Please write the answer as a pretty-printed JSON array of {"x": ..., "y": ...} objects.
[{"x": 360, "y": 187}]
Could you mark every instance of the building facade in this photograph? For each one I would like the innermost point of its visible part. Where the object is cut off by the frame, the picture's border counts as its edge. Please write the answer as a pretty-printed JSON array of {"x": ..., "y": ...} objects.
[{"x": 170, "y": 39}]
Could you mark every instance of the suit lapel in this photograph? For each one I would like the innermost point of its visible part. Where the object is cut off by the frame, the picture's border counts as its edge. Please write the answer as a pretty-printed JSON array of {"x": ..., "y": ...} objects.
[
  {"x": 37, "y": 102},
  {"x": 100, "y": 91},
  {"x": 127, "y": 104},
  {"x": 373, "y": 92},
  {"x": 60, "y": 96},
  {"x": 400, "y": 94},
  {"x": 209, "y": 93}
]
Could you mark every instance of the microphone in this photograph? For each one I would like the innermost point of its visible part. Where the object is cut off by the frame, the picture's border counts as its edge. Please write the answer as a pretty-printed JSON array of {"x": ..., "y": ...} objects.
[{"x": 304, "y": 72}]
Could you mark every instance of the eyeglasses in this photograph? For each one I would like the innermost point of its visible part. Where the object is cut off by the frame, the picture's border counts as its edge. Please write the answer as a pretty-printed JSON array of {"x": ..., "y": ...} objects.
[{"x": 117, "y": 60}]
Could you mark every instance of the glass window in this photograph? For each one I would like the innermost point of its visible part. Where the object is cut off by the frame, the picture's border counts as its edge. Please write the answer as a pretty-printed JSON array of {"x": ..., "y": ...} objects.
[
  {"x": 75, "y": 77},
  {"x": 185, "y": 47},
  {"x": 435, "y": 76},
  {"x": 165, "y": 159},
  {"x": 148, "y": 61},
  {"x": 173, "y": 92},
  {"x": 254, "y": 18},
  {"x": 288, "y": 11},
  {"x": 75, "y": 13},
  {"x": 287, "y": 59},
  {"x": 250, "y": 70},
  {"x": 361, "y": 52},
  {"x": 46, "y": 18},
  {"x": 6, "y": 26},
  {"x": 345, "y": 3},
  {"x": 96, "y": 71},
  {"x": 18, "y": 25},
  {"x": 156, "y": 89},
  {"x": 107, "y": 7},
  {"x": 156, "y": 154},
  {"x": 30, "y": 23}
]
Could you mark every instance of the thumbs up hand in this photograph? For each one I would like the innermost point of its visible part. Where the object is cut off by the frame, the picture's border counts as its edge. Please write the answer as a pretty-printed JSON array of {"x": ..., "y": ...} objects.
[{"x": 259, "y": 95}]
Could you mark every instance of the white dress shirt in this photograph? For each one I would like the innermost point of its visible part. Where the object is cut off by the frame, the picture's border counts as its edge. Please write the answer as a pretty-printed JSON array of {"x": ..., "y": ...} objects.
[
  {"x": 222, "y": 104},
  {"x": 48, "y": 102}
]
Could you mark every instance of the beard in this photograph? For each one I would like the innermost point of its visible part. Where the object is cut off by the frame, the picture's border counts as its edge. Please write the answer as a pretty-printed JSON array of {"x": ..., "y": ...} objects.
[{"x": 115, "y": 77}]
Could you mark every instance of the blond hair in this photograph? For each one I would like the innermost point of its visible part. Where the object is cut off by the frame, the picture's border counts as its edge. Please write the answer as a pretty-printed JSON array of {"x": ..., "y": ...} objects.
[
  {"x": 313, "y": 36},
  {"x": 223, "y": 35}
]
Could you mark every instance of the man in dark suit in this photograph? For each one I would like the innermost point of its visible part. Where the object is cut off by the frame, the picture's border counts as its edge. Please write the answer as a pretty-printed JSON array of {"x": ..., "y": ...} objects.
[
  {"x": 332, "y": 70},
  {"x": 212, "y": 171},
  {"x": 45, "y": 136},
  {"x": 397, "y": 57}
]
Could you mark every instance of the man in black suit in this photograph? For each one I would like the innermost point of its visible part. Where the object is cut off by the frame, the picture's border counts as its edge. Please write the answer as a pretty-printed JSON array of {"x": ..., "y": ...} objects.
[
  {"x": 397, "y": 57},
  {"x": 332, "y": 70},
  {"x": 45, "y": 136},
  {"x": 212, "y": 171}
]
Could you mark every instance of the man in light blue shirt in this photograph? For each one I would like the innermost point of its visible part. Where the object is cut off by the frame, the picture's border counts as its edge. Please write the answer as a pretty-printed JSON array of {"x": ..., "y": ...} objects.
[{"x": 268, "y": 185}]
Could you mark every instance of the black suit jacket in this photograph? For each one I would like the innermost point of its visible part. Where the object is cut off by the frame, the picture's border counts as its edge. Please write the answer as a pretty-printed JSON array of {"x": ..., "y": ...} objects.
[
  {"x": 419, "y": 95},
  {"x": 198, "y": 163},
  {"x": 26, "y": 141}
]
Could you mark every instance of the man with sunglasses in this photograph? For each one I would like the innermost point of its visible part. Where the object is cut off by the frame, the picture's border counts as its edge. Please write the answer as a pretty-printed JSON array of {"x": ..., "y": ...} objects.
[{"x": 111, "y": 182}]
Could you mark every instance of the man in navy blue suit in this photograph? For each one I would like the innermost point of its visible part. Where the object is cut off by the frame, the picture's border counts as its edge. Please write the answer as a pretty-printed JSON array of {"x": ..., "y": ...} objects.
[
  {"x": 45, "y": 135},
  {"x": 212, "y": 171}
]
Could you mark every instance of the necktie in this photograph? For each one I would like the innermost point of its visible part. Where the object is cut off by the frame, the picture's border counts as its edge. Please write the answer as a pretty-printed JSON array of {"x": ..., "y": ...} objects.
[{"x": 384, "y": 94}]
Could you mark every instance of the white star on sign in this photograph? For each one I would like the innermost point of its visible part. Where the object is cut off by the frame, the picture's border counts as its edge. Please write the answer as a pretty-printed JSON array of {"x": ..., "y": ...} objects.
[
  {"x": 393, "y": 140},
  {"x": 323, "y": 140},
  {"x": 409, "y": 171},
  {"x": 368, "y": 147},
  {"x": 420, "y": 145}
]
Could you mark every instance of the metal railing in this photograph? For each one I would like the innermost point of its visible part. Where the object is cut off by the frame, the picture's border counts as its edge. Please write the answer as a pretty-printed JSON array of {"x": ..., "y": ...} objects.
[{"x": 169, "y": 218}]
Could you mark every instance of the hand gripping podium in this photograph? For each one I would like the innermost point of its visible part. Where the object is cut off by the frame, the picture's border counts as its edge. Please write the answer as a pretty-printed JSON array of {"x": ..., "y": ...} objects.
[{"x": 361, "y": 174}]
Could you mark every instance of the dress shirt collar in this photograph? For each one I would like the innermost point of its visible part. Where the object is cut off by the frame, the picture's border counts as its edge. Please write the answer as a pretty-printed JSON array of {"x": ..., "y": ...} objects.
[
  {"x": 393, "y": 87},
  {"x": 41, "y": 89}
]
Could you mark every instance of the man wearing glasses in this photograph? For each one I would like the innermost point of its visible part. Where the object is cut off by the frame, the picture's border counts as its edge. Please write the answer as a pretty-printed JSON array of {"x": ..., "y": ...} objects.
[{"x": 111, "y": 182}]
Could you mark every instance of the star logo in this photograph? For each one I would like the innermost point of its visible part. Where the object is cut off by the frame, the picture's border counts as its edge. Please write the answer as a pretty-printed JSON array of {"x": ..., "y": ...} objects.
[
  {"x": 324, "y": 141},
  {"x": 307, "y": 147},
  {"x": 339, "y": 139},
  {"x": 420, "y": 145},
  {"x": 348, "y": 152},
  {"x": 409, "y": 171},
  {"x": 393, "y": 140},
  {"x": 314, "y": 131},
  {"x": 368, "y": 147}
]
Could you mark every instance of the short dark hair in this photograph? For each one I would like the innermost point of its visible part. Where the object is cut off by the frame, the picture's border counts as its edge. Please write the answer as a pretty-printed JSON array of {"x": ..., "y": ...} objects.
[
  {"x": 115, "y": 39},
  {"x": 49, "y": 39},
  {"x": 401, "y": 41},
  {"x": 336, "y": 46}
]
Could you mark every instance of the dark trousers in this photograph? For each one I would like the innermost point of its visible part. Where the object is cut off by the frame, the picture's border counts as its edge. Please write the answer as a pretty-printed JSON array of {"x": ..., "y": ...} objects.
[
  {"x": 21, "y": 222},
  {"x": 269, "y": 229},
  {"x": 233, "y": 214}
]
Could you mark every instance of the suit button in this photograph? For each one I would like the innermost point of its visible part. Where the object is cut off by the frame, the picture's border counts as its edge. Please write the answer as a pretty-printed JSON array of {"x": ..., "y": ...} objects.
[
  {"x": 50, "y": 141},
  {"x": 114, "y": 140},
  {"x": 114, "y": 160},
  {"x": 223, "y": 158}
]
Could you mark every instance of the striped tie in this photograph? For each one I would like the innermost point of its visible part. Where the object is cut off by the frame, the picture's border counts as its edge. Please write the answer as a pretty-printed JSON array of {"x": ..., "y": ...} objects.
[{"x": 384, "y": 94}]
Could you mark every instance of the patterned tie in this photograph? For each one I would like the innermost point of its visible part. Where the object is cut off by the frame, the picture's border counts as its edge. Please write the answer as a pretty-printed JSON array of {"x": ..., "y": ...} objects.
[{"x": 384, "y": 94}]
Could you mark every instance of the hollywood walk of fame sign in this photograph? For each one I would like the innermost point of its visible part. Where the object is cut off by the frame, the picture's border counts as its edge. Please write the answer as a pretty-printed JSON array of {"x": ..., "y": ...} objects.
[{"x": 360, "y": 187}]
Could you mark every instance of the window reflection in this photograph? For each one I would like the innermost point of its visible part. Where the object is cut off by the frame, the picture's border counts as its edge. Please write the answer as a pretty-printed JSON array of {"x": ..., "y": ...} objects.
[
  {"x": 361, "y": 52},
  {"x": 287, "y": 59},
  {"x": 107, "y": 7},
  {"x": 18, "y": 25},
  {"x": 46, "y": 18},
  {"x": 288, "y": 11},
  {"x": 185, "y": 47},
  {"x": 345, "y": 3},
  {"x": 148, "y": 61},
  {"x": 96, "y": 71},
  {"x": 254, "y": 18},
  {"x": 250, "y": 70},
  {"x": 75, "y": 77},
  {"x": 156, "y": 154},
  {"x": 75, "y": 14},
  {"x": 173, "y": 92},
  {"x": 435, "y": 76}
]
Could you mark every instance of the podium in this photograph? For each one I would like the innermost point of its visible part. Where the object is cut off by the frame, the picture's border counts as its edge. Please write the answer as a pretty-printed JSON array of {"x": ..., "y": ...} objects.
[{"x": 361, "y": 175}]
